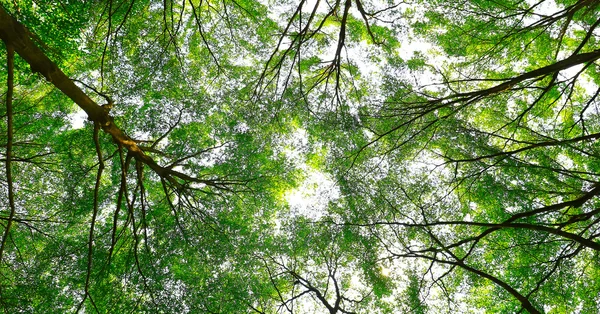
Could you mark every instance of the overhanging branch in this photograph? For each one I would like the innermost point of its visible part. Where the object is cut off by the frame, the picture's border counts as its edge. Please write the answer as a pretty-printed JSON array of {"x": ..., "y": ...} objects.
[{"x": 13, "y": 33}]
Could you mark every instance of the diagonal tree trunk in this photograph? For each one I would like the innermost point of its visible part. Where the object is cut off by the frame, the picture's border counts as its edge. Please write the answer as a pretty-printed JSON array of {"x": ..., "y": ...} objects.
[{"x": 13, "y": 33}]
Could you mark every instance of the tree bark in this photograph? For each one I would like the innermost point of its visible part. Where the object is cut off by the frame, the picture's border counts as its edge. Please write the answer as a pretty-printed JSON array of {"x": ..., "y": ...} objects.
[{"x": 13, "y": 33}]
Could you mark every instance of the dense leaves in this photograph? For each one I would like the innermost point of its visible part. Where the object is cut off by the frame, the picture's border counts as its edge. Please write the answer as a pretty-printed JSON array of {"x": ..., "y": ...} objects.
[{"x": 244, "y": 156}]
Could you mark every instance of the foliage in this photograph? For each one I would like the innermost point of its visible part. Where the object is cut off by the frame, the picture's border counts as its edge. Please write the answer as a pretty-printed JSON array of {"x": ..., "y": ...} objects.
[{"x": 243, "y": 156}]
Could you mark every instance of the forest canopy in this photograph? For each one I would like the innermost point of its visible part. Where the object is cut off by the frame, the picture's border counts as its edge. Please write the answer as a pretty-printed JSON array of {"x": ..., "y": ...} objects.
[{"x": 322, "y": 156}]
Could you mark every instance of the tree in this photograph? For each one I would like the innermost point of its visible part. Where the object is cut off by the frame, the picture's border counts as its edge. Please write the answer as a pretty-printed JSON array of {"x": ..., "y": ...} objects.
[
  {"x": 464, "y": 173},
  {"x": 508, "y": 210}
]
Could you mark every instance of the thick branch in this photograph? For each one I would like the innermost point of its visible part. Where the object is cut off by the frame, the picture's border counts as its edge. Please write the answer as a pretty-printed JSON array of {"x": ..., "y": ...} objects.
[
  {"x": 14, "y": 33},
  {"x": 543, "y": 71}
]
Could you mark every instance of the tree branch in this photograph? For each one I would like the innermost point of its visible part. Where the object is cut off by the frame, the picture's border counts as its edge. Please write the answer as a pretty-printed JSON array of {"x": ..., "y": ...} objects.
[
  {"x": 14, "y": 33},
  {"x": 10, "y": 61}
]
